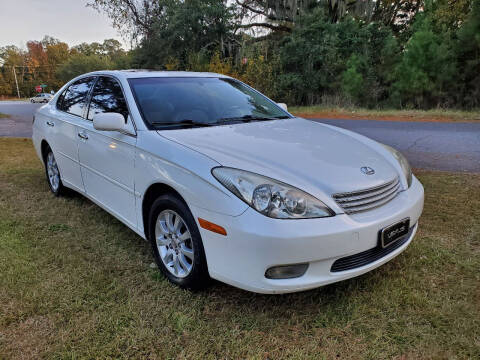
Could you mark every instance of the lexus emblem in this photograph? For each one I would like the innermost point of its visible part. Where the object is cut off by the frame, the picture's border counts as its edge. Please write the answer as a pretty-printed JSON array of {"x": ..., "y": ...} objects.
[{"x": 367, "y": 170}]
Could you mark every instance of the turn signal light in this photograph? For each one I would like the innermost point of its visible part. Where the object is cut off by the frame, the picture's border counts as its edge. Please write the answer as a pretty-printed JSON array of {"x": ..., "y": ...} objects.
[{"x": 212, "y": 227}]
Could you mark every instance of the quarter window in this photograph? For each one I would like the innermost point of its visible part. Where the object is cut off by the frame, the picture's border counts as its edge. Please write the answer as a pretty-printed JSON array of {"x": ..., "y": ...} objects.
[
  {"x": 107, "y": 97},
  {"x": 74, "y": 99}
]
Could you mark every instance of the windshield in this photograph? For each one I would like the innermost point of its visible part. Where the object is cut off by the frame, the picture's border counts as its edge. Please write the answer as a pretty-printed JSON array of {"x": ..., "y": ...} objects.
[{"x": 186, "y": 102}]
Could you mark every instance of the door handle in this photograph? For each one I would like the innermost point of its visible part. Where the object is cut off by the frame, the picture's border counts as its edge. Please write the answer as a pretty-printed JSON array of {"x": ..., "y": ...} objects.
[
  {"x": 50, "y": 123},
  {"x": 83, "y": 135}
]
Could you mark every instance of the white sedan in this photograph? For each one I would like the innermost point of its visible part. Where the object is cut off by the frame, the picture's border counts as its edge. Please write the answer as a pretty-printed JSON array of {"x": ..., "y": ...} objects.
[
  {"x": 225, "y": 183},
  {"x": 41, "y": 98}
]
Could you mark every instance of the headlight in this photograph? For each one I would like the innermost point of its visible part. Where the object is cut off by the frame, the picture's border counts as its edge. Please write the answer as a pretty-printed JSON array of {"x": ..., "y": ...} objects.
[
  {"x": 270, "y": 197},
  {"x": 407, "y": 170}
]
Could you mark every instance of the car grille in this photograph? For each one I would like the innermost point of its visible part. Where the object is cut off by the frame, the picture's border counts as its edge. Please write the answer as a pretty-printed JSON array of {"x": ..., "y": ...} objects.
[
  {"x": 368, "y": 256},
  {"x": 363, "y": 200}
]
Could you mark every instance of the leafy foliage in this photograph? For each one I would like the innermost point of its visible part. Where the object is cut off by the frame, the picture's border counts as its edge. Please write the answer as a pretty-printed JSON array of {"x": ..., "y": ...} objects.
[
  {"x": 352, "y": 78},
  {"x": 372, "y": 53},
  {"x": 184, "y": 28},
  {"x": 467, "y": 49},
  {"x": 427, "y": 70},
  {"x": 79, "y": 64},
  {"x": 52, "y": 62},
  {"x": 322, "y": 60}
]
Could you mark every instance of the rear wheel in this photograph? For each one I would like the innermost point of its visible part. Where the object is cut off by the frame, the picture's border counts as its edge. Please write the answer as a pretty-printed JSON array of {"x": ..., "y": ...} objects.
[
  {"x": 53, "y": 174},
  {"x": 176, "y": 243}
]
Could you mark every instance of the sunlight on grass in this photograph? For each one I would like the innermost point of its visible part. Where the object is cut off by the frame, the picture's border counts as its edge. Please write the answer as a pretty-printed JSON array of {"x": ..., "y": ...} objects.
[
  {"x": 4, "y": 116},
  {"x": 76, "y": 283}
]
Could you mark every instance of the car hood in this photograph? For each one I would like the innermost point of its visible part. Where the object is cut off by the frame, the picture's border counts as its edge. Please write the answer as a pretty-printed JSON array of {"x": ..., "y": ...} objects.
[{"x": 309, "y": 155}]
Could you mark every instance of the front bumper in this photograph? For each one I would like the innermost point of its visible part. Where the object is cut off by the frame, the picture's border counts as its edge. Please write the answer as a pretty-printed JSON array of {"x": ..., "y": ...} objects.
[{"x": 255, "y": 243}]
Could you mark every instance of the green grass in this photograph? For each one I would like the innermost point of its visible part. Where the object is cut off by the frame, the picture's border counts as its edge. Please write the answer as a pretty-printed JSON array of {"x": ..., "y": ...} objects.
[
  {"x": 435, "y": 114},
  {"x": 76, "y": 283},
  {"x": 4, "y": 116}
]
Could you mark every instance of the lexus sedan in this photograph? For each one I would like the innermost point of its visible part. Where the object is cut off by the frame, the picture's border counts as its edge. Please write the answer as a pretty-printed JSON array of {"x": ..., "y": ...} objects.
[{"x": 225, "y": 183}]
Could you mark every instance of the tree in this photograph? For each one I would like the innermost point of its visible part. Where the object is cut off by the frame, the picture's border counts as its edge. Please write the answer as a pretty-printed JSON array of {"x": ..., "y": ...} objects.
[
  {"x": 134, "y": 17},
  {"x": 450, "y": 14},
  {"x": 316, "y": 65},
  {"x": 397, "y": 14},
  {"x": 468, "y": 58},
  {"x": 352, "y": 77},
  {"x": 195, "y": 26},
  {"x": 426, "y": 74},
  {"x": 112, "y": 48},
  {"x": 57, "y": 54},
  {"x": 109, "y": 47},
  {"x": 5, "y": 87},
  {"x": 51, "y": 62},
  {"x": 271, "y": 15},
  {"x": 79, "y": 64},
  {"x": 10, "y": 57},
  {"x": 93, "y": 48}
]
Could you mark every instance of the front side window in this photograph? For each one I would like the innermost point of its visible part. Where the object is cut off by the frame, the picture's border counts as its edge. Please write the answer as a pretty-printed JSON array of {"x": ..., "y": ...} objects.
[
  {"x": 74, "y": 98},
  {"x": 184, "y": 102},
  {"x": 107, "y": 97}
]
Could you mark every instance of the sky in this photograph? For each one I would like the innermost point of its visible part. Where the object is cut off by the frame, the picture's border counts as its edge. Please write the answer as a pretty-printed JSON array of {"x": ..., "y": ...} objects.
[{"x": 67, "y": 20}]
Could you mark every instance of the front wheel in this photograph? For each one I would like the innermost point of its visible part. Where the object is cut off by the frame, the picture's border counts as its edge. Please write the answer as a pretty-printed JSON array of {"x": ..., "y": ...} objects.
[
  {"x": 53, "y": 174},
  {"x": 176, "y": 243}
]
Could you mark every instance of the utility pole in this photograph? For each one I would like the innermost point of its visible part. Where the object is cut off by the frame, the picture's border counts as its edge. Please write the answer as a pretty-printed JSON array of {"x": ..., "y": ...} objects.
[{"x": 16, "y": 82}]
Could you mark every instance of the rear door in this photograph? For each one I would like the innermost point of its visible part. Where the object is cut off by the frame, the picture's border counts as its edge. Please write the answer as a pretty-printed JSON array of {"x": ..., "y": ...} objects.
[
  {"x": 62, "y": 130},
  {"x": 107, "y": 157}
]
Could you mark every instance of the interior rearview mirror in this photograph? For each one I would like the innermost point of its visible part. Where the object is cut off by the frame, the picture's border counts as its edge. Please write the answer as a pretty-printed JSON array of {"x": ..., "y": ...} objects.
[
  {"x": 109, "y": 122},
  {"x": 283, "y": 106}
]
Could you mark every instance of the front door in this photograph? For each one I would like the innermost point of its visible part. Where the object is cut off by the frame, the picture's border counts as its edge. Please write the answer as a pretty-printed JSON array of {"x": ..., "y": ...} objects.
[{"x": 107, "y": 157}]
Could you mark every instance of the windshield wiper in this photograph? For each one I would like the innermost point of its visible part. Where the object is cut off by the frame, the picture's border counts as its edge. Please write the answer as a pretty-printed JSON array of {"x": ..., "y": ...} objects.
[
  {"x": 248, "y": 118},
  {"x": 183, "y": 122},
  {"x": 190, "y": 122}
]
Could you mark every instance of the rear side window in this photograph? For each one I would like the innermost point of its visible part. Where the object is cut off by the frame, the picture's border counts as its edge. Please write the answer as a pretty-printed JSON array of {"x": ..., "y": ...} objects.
[
  {"x": 74, "y": 98},
  {"x": 107, "y": 97}
]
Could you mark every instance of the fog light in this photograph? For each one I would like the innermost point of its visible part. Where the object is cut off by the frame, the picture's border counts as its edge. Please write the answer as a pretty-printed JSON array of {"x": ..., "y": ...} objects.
[{"x": 286, "y": 271}]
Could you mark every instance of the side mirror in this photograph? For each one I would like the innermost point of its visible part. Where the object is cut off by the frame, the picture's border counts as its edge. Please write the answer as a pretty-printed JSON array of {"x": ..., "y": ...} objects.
[
  {"x": 283, "y": 106},
  {"x": 109, "y": 122}
]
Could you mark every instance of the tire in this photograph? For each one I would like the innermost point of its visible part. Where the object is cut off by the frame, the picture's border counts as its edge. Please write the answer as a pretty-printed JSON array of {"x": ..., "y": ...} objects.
[
  {"x": 176, "y": 243},
  {"x": 53, "y": 173}
]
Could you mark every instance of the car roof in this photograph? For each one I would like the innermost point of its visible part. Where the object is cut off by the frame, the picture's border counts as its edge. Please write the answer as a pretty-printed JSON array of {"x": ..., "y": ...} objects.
[{"x": 134, "y": 73}]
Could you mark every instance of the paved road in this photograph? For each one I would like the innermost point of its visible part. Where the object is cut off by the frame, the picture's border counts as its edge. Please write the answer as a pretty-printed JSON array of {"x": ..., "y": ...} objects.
[
  {"x": 428, "y": 145},
  {"x": 21, "y": 115}
]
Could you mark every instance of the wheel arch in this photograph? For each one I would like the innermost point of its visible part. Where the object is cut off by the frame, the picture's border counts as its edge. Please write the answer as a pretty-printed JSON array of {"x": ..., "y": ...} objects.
[
  {"x": 151, "y": 194},
  {"x": 44, "y": 146}
]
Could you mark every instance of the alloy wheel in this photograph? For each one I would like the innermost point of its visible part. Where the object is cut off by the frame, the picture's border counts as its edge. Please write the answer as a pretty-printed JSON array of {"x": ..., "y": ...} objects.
[
  {"x": 174, "y": 243},
  {"x": 52, "y": 171}
]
